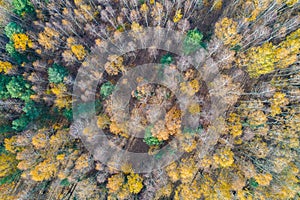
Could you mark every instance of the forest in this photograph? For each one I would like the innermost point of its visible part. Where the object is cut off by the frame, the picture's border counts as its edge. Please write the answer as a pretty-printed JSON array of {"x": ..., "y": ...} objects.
[{"x": 149, "y": 99}]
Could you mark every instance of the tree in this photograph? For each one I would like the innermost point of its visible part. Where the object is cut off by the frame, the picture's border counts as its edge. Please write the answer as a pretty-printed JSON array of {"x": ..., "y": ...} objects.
[
  {"x": 261, "y": 60},
  {"x": 23, "y": 6},
  {"x": 57, "y": 73},
  {"x": 12, "y": 28},
  {"x": 114, "y": 65},
  {"x": 21, "y": 123},
  {"x": 19, "y": 88},
  {"x": 115, "y": 182},
  {"x": 44, "y": 171},
  {"x": 135, "y": 183},
  {"x": 8, "y": 164},
  {"x": 5, "y": 67},
  {"x": 224, "y": 157},
  {"x": 48, "y": 38},
  {"x": 32, "y": 110},
  {"x": 39, "y": 141},
  {"x": 226, "y": 30},
  {"x": 177, "y": 17},
  {"x": 21, "y": 41},
  {"x": 79, "y": 51},
  {"x": 4, "y": 94}
]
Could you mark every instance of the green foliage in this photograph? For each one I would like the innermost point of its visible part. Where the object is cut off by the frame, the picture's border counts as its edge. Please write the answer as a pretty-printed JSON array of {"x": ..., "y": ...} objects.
[
  {"x": 85, "y": 108},
  {"x": 65, "y": 182},
  {"x": 193, "y": 41},
  {"x": 32, "y": 110},
  {"x": 12, "y": 28},
  {"x": 19, "y": 88},
  {"x": 192, "y": 131},
  {"x": 23, "y": 6},
  {"x": 21, "y": 123},
  {"x": 68, "y": 113},
  {"x": 4, "y": 94},
  {"x": 166, "y": 59},
  {"x": 57, "y": 73},
  {"x": 149, "y": 139},
  {"x": 10, "y": 178},
  {"x": 253, "y": 184},
  {"x": 6, "y": 128},
  {"x": 10, "y": 49},
  {"x": 106, "y": 89},
  {"x": 236, "y": 48}
]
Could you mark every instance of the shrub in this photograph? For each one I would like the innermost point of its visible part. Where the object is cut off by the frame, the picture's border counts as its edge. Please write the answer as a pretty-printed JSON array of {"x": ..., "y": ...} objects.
[
  {"x": 193, "y": 41},
  {"x": 149, "y": 139},
  {"x": 106, "y": 89}
]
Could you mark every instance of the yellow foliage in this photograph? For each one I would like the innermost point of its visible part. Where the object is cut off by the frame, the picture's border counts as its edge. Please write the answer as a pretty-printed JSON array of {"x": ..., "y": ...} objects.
[
  {"x": 127, "y": 168},
  {"x": 224, "y": 157},
  {"x": 9, "y": 144},
  {"x": 85, "y": 11},
  {"x": 264, "y": 59},
  {"x": 173, "y": 120},
  {"x": 115, "y": 183},
  {"x": 48, "y": 38},
  {"x": 235, "y": 125},
  {"x": 103, "y": 121},
  {"x": 217, "y": 5},
  {"x": 135, "y": 27},
  {"x": 226, "y": 30},
  {"x": 163, "y": 129},
  {"x": 78, "y": 51},
  {"x": 44, "y": 171},
  {"x": 6, "y": 190},
  {"x": 58, "y": 139},
  {"x": 191, "y": 87},
  {"x": 256, "y": 7},
  {"x": 82, "y": 162},
  {"x": 5, "y": 67},
  {"x": 263, "y": 179},
  {"x": 115, "y": 65},
  {"x": 59, "y": 89},
  {"x": 187, "y": 142},
  {"x": 187, "y": 170},
  {"x": 173, "y": 172},
  {"x": 144, "y": 8},
  {"x": 291, "y": 2},
  {"x": 8, "y": 164},
  {"x": 279, "y": 100},
  {"x": 188, "y": 191},
  {"x": 194, "y": 108},
  {"x": 177, "y": 16},
  {"x": 63, "y": 102},
  {"x": 135, "y": 183},
  {"x": 261, "y": 60},
  {"x": 60, "y": 157},
  {"x": 39, "y": 141},
  {"x": 165, "y": 191},
  {"x": 257, "y": 118},
  {"x": 118, "y": 129},
  {"x": 21, "y": 41},
  {"x": 288, "y": 50}
]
